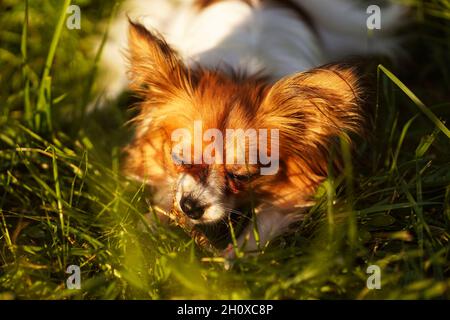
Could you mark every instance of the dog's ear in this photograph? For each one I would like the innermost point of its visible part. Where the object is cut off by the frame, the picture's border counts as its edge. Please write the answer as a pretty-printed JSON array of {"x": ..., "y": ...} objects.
[
  {"x": 154, "y": 66},
  {"x": 311, "y": 109}
]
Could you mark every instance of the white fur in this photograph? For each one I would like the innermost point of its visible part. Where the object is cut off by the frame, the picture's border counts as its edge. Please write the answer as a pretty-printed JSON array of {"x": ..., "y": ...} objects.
[
  {"x": 270, "y": 39},
  {"x": 209, "y": 195}
]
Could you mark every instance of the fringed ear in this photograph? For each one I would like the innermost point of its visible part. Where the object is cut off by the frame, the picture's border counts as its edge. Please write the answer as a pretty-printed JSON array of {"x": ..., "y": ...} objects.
[
  {"x": 155, "y": 68},
  {"x": 311, "y": 109},
  {"x": 158, "y": 75}
]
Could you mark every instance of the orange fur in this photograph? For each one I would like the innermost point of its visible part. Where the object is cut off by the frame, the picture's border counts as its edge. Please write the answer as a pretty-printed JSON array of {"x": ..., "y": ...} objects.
[{"x": 310, "y": 109}]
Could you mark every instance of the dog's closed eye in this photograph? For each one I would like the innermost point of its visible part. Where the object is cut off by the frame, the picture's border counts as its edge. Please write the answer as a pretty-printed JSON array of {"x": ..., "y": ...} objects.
[{"x": 238, "y": 177}]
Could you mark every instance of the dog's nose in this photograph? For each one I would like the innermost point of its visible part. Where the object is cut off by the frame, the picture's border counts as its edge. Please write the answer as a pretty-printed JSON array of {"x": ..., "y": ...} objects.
[{"x": 191, "y": 207}]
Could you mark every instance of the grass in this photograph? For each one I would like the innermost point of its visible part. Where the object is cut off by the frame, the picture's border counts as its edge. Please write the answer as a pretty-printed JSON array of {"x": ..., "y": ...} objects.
[{"x": 63, "y": 200}]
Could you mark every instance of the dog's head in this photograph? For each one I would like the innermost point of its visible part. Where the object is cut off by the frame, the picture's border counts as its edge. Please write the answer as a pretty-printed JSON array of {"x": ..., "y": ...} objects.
[{"x": 191, "y": 119}]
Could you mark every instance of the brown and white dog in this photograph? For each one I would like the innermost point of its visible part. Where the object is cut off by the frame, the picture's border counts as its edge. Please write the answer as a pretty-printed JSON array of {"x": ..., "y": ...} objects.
[{"x": 242, "y": 65}]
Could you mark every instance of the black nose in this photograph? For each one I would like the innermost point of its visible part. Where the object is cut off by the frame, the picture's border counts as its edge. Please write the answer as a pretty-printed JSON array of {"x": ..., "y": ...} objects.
[{"x": 191, "y": 207}]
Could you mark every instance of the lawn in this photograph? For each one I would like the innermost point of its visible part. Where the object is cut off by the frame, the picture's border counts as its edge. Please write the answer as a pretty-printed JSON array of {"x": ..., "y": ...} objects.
[{"x": 63, "y": 200}]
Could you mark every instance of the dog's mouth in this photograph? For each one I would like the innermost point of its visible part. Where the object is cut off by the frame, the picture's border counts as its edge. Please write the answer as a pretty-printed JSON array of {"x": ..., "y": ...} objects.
[
  {"x": 219, "y": 233},
  {"x": 214, "y": 235}
]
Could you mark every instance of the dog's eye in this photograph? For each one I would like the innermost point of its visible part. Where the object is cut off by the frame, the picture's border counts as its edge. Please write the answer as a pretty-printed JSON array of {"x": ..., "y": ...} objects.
[
  {"x": 187, "y": 166},
  {"x": 180, "y": 162},
  {"x": 238, "y": 177}
]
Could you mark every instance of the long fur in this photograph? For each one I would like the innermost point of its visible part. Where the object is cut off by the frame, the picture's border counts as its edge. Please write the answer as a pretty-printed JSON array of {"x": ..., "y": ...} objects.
[{"x": 244, "y": 64}]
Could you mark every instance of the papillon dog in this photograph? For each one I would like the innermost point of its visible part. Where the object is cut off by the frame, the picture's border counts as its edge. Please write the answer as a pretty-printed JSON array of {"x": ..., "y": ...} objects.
[{"x": 249, "y": 65}]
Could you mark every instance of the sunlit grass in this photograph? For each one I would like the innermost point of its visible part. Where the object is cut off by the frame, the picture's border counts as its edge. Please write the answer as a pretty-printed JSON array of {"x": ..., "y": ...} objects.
[{"x": 63, "y": 200}]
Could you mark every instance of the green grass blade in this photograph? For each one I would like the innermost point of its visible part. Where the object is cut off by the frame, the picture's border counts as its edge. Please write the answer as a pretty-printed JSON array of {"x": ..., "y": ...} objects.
[
  {"x": 43, "y": 104},
  {"x": 400, "y": 143},
  {"x": 349, "y": 185},
  {"x": 93, "y": 74},
  {"x": 24, "y": 51},
  {"x": 416, "y": 101}
]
